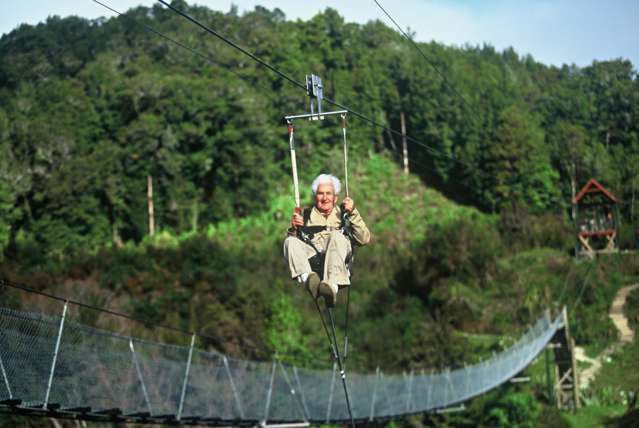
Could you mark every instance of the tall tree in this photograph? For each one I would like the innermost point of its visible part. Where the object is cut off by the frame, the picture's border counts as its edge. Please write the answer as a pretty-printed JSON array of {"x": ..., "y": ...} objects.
[{"x": 518, "y": 164}]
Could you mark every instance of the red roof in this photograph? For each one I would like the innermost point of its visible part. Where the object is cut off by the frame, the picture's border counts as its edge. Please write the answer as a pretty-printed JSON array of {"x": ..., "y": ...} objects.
[{"x": 593, "y": 186}]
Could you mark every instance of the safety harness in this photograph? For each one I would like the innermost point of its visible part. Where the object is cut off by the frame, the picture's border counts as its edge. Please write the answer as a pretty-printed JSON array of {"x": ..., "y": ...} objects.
[{"x": 307, "y": 233}]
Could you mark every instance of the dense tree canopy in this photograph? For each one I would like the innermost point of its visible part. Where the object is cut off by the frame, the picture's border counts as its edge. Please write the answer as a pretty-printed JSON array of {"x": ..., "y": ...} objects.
[{"x": 90, "y": 109}]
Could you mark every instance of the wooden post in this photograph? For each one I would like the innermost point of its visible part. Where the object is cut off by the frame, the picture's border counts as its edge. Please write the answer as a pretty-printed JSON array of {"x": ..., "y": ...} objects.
[
  {"x": 573, "y": 190},
  {"x": 404, "y": 144},
  {"x": 550, "y": 390},
  {"x": 566, "y": 371},
  {"x": 149, "y": 194},
  {"x": 575, "y": 375}
]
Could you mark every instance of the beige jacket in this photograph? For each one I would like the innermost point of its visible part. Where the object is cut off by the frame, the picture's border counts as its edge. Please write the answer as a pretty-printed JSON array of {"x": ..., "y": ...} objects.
[{"x": 361, "y": 234}]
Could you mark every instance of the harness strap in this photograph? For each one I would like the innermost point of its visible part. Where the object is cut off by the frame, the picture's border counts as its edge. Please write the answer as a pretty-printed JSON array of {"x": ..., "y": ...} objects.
[{"x": 308, "y": 232}]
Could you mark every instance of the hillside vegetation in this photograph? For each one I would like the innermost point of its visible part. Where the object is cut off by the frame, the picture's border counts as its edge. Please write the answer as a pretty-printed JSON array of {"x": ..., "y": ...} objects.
[{"x": 467, "y": 250}]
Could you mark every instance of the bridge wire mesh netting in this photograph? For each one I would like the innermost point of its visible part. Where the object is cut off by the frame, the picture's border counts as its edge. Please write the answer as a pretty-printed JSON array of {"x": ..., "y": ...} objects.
[{"x": 68, "y": 357}]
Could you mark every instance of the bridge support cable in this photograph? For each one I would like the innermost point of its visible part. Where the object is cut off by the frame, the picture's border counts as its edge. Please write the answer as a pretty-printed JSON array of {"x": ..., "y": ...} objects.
[
  {"x": 448, "y": 387},
  {"x": 302, "y": 397},
  {"x": 410, "y": 392},
  {"x": 294, "y": 394},
  {"x": 5, "y": 378},
  {"x": 45, "y": 403},
  {"x": 329, "y": 408},
  {"x": 428, "y": 396},
  {"x": 236, "y": 397},
  {"x": 186, "y": 378},
  {"x": 370, "y": 416},
  {"x": 455, "y": 409},
  {"x": 467, "y": 387},
  {"x": 138, "y": 371},
  {"x": 268, "y": 394},
  {"x": 340, "y": 365}
]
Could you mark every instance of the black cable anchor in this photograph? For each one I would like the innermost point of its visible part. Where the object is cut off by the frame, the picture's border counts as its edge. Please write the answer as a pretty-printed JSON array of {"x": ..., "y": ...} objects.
[{"x": 315, "y": 91}]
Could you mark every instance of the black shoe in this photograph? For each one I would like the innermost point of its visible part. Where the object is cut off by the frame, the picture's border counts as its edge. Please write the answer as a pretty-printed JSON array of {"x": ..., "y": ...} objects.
[
  {"x": 312, "y": 284},
  {"x": 329, "y": 292}
]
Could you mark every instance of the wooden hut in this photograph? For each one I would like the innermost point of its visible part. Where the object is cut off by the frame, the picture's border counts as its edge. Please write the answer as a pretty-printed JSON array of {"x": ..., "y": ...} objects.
[{"x": 597, "y": 219}]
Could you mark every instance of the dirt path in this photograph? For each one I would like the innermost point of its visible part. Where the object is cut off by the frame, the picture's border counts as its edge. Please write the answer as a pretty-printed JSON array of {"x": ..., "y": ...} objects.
[{"x": 626, "y": 335}]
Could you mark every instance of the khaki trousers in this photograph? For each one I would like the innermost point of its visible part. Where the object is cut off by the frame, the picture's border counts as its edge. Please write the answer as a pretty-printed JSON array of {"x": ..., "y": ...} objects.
[{"x": 337, "y": 248}]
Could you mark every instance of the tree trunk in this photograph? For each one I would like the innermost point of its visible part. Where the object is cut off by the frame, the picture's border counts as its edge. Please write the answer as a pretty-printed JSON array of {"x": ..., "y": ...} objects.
[
  {"x": 149, "y": 189},
  {"x": 27, "y": 208},
  {"x": 573, "y": 191},
  {"x": 117, "y": 239},
  {"x": 632, "y": 204},
  {"x": 195, "y": 214},
  {"x": 404, "y": 143},
  {"x": 390, "y": 134}
]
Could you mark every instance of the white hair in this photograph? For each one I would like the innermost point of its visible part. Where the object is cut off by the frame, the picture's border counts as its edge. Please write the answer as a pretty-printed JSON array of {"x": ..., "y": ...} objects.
[{"x": 327, "y": 178}]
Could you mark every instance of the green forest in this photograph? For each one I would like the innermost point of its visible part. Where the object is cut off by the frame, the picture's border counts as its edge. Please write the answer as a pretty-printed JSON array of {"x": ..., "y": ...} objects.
[{"x": 467, "y": 251}]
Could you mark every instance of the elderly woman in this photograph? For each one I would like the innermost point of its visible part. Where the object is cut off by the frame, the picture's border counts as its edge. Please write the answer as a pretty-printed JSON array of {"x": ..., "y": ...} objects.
[{"x": 324, "y": 219}]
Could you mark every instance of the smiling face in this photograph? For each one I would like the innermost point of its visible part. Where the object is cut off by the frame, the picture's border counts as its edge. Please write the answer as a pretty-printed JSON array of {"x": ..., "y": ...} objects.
[{"x": 325, "y": 198}]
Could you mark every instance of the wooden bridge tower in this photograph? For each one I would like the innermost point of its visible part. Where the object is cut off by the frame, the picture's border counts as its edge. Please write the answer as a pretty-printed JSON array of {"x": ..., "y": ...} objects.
[{"x": 566, "y": 387}]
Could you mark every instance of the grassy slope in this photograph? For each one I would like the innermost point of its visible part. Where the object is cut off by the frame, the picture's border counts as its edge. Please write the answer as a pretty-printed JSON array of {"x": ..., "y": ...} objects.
[
  {"x": 618, "y": 378},
  {"x": 398, "y": 209}
]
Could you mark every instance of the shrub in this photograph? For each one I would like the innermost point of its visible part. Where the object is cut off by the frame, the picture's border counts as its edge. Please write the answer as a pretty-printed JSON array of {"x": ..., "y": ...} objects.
[{"x": 517, "y": 410}]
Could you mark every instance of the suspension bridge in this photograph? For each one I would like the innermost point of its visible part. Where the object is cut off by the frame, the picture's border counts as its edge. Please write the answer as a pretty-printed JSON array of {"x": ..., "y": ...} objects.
[{"x": 54, "y": 364}]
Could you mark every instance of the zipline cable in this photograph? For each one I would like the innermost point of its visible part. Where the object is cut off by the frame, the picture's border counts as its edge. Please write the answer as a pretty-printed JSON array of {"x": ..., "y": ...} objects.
[
  {"x": 348, "y": 304},
  {"x": 332, "y": 338},
  {"x": 347, "y": 217},
  {"x": 302, "y": 86},
  {"x": 296, "y": 185},
  {"x": 233, "y": 44},
  {"x": 340, "y": 364},
  {"x": 583, "y": 287},
  {"x": 432, "y": 64},
  {"x": 188, "y": 48},
  {"x": 430, "y": 150}
]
